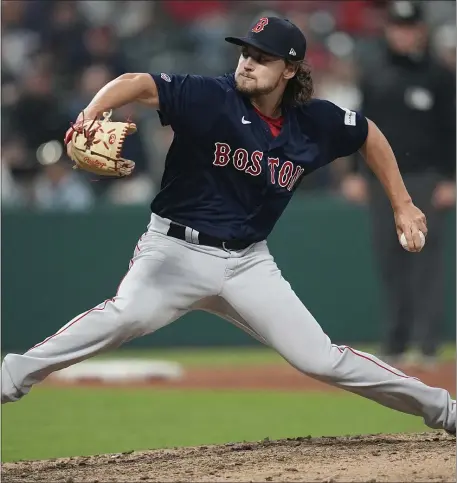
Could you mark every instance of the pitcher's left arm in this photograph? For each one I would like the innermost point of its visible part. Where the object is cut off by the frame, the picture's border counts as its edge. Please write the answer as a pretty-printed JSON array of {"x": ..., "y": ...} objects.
[{"x": 378, "y": 154}]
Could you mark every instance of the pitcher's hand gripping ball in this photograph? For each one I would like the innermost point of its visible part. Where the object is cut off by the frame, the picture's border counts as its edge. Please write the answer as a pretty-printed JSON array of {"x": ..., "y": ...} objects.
[
  {"x": 96, "y": 146},
  {"x": 404, "y": 243}
]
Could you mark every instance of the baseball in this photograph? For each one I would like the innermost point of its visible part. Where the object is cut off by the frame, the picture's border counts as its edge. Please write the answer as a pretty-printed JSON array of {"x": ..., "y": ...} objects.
[{"x": 404, "y": 243}]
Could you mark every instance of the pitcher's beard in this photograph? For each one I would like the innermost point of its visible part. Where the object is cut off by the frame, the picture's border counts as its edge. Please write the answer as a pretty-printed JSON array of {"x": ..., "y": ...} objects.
[{"x": 254, "y": 91}]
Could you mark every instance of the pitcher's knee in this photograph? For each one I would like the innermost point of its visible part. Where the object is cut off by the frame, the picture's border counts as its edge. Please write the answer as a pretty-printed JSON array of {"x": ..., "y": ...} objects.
[
  {"x": 327, "y": 364},
  {"x": 322, "y": 366}
]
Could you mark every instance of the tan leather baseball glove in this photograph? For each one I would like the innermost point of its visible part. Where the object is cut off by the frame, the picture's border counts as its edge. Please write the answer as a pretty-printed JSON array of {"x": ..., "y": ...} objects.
[{"x": 96, "y": 146}]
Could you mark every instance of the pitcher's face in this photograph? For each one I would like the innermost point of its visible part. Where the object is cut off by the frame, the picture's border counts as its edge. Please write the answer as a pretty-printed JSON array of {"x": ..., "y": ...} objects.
[{"x": 259, "y": 73}]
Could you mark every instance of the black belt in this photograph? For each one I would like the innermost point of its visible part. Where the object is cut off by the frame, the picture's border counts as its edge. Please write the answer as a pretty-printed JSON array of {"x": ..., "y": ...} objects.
[{"x": 179, "y": 231}]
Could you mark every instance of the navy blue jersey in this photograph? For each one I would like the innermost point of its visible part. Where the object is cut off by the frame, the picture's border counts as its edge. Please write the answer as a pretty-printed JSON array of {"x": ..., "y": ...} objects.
[{"x": 225, "y": 174}]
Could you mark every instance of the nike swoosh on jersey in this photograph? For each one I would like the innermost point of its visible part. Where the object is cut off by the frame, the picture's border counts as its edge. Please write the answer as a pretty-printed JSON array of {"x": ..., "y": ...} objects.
[{"x": 245, "y": 121}]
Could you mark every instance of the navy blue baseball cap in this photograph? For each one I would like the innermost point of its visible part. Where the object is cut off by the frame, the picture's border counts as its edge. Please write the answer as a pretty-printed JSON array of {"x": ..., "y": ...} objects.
[{"x": 275, "y": 36}]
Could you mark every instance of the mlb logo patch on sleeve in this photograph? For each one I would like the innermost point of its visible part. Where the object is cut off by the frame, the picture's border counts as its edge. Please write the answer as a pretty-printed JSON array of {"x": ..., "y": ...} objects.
[{"x": 349, "y": 117}]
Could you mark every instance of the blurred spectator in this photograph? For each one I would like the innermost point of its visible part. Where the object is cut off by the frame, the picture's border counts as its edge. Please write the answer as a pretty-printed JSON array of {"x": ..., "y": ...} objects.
[
  {"x": 37, "y": 114},
  {"x": 60, "y": 188},
  {"x": 412, "y": 100}
]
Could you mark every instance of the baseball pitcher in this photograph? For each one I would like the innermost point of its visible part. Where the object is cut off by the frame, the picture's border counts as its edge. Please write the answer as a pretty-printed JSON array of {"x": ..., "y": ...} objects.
[{"x": 242, "y": 144}]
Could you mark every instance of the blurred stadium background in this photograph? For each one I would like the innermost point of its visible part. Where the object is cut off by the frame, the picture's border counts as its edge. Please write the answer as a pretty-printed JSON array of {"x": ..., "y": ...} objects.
[{"x": 67, "y": 239}]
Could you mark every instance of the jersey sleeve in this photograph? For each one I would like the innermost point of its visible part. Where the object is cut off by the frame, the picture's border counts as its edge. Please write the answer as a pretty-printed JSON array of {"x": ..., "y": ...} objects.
[
  {"x": 345, "y": 131},
  {"x": 189, "y": 102}
]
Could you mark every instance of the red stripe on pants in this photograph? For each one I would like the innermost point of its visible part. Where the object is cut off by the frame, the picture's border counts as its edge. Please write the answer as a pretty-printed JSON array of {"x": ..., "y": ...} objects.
[
  {"x": 341, "y": 349},
  {"x": 68, "y": 326}
]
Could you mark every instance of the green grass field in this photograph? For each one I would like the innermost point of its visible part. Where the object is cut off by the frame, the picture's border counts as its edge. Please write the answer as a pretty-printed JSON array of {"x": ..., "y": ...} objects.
[{"x": 53, "y": 422}]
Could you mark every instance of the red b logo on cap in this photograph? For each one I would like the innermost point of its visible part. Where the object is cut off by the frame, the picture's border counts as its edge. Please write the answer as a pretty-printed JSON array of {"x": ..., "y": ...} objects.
[{"x": 260, "y": 25}]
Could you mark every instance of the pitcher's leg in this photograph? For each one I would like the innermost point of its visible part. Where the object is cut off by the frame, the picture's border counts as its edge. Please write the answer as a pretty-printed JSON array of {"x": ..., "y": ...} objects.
[
  {"x": 140, "y": 307},
  {"x": 266, "y": 301},
  {"x": 159, "y": 287}
]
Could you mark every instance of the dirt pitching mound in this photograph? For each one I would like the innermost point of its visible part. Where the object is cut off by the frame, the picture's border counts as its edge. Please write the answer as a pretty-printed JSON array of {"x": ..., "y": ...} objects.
[{"x": 401, "y": 457}]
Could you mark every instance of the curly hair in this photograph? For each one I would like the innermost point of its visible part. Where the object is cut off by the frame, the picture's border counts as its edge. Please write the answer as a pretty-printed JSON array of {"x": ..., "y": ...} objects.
[{"x": 300, "y": 88}]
